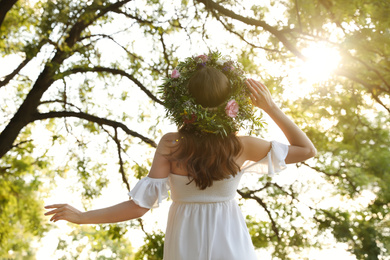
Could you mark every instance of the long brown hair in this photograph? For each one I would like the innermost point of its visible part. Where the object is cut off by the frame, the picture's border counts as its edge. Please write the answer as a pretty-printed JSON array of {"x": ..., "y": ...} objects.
[{"x": 207, "y": 157}]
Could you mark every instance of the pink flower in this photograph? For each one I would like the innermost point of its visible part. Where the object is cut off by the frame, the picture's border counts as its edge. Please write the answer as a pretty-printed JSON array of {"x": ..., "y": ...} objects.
[
  {"x": 226, "y": 68},
  {"x": 231, "y": 108},
  {"x": 190, "y": 120},
  {"x": 203, "y": 57},
  {"x": 175, "y": 74}
]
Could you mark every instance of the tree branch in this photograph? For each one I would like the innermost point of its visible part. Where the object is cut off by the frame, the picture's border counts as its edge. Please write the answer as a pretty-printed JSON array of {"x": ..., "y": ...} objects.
[
  {"x": 166, "y": 58},
  {"x": 6, "y": 5},
  {"x": 117, "y": 43},
  {"x": 138, "y": 19},
  {"x": 336, "y": 174},
  {"x": 210, "y": 5},
  {"x": 95, "y": 119},
  {"x": 29, "y": 57},
  {"x": 368, "y": 86},
  {"x": 115, "y": 72},
  {"x": 148, "y": 22},
  {"x": 298, "y": 15},
  {"x": 64, "y": 102},
  {"x": 121, "y": 168},
  {"x": 22, "y": 142},
  {"x": 250, "y": 195},
  {"x": 241, "y": 36},
  {"x": 83, "y": 23},
  {"x": 369, "y": 67},
  {"x": 10, "y": 76},
  {"x": 28, "y": 109}
]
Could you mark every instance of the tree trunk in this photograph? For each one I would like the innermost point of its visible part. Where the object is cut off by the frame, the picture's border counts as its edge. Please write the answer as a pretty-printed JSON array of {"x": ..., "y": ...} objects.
[
  {"x": 26, "y": 111},
  {"x": 5, "y": 6}
]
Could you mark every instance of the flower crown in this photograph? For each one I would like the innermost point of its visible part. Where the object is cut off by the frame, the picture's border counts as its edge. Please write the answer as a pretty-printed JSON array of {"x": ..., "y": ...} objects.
[{"x": 228, "y": 117}]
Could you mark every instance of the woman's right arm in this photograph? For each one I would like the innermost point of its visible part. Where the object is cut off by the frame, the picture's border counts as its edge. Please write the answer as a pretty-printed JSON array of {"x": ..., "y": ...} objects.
[{"x": 301, "y": 148}]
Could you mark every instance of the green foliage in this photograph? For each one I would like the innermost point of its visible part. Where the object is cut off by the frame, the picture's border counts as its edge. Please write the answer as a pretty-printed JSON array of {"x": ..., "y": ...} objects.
[
  {"x": 153, "y": 247},
  {"x": 347, "y": 117},
  {"x": 259, "y": 231},
  {"x": 19, "y": 20},
  {"x": 283, "y": 232},
  {"x": 91, "y": 186},
  {"x": 21, "y": 214},
  {"x": 348, "y": 227},
  {"x": 354, "y": 157},
  {"x": 101, "y": 242},
  {"x": 140, "y": 171}
]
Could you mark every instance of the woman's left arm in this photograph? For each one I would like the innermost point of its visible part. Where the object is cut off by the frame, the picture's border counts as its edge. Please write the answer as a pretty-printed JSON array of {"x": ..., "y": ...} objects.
[{"x": 121, "y": 212}]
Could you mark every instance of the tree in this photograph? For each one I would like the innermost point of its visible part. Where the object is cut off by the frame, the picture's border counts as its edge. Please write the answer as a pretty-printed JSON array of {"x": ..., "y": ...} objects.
[
  {"x": 67, "y": 62},
  {"x": 353, "y": 152}
]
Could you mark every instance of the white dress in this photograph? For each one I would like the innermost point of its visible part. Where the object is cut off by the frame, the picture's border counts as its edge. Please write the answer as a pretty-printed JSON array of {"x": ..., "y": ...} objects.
[{"x": 206, "y": 224}]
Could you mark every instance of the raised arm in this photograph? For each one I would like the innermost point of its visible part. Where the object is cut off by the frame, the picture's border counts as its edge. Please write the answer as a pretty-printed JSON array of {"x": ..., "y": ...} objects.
[{"x": 301, "y": 148}]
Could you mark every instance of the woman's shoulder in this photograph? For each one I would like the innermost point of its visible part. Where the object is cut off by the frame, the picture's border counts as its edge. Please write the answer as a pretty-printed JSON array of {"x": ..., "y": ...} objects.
[
  {"x": 249, "y": 140},
  {"x": 254, "y": 148},
  {"x": 170, "y": 138},
  {"x": 245, "y": 138},
  {"x": 166, "y": 142}
]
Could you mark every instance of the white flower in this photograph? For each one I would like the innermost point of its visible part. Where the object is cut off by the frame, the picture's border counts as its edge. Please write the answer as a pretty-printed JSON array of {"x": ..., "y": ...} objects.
[{"x": 223, "y": 60}]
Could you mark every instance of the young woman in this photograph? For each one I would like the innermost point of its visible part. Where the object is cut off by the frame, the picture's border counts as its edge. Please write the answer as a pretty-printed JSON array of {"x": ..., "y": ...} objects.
[{"x": 209, "y": 99}]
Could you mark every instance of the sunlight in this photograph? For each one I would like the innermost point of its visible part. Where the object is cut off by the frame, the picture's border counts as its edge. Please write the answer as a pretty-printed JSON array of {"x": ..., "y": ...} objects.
[{"x": 321, "y": 61}]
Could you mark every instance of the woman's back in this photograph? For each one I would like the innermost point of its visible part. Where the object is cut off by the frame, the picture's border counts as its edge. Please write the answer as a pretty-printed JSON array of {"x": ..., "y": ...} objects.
[
  {"x": 253, "y": 149},
  {"x": 184, "y": 191}
]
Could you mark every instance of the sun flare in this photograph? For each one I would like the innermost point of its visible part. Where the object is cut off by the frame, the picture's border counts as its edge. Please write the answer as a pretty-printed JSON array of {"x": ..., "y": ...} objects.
[
  {"x": 321, "y": 61},
  {"x": 303, "y": 76}
]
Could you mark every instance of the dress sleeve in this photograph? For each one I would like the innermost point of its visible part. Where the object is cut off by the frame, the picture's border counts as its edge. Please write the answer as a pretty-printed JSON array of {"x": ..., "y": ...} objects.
[
  {"x": 272, "y": 163},
  {"x": 149, "y": 192}
]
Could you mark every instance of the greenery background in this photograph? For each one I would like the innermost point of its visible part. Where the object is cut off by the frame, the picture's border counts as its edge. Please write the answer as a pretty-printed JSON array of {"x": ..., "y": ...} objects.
[{"x": 78, "y": 89}]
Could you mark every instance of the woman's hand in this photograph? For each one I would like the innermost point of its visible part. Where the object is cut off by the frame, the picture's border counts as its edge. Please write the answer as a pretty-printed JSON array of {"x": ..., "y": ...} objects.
[
  {"x": 301, "y": 148},
  {"x": 260, "y": 95},
  {"x": 64, "y": 212}
]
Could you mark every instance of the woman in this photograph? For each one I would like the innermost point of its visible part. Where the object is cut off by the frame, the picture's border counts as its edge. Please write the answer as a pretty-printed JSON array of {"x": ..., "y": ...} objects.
[{"x": 207, "y": 97}]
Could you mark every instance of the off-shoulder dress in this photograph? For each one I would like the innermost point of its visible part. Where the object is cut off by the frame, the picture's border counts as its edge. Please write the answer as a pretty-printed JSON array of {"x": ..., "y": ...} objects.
[{"x": 206, "y": 224}]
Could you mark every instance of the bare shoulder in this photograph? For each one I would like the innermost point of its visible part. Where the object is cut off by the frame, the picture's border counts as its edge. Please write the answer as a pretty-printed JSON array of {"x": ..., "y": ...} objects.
[
  {"x": 161, "y": 166},
  {"x": 251, "y": 140},
  {"x": 170, "y": 137},
  {"x": 166, "y": 142},
  {"x": 253, "y": 148}
]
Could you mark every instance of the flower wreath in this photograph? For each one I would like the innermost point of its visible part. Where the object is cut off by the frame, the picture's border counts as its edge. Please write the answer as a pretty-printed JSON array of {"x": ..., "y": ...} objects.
[{"x": 229, "y": 117}]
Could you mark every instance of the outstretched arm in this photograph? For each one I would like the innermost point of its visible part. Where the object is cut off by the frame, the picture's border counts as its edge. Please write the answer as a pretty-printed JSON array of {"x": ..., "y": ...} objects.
[
  {"x": 121, "y": 212},
  {"x": 301, "y": 148}
]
